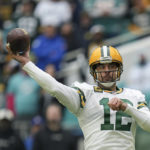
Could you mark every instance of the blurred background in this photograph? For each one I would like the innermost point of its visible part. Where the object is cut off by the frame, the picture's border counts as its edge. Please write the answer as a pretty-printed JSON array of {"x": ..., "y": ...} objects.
[{"x": 63, "y": 34}]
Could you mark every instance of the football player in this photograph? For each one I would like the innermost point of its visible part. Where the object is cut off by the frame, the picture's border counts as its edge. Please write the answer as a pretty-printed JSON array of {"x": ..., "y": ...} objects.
[{"x": 107, "y": 115}]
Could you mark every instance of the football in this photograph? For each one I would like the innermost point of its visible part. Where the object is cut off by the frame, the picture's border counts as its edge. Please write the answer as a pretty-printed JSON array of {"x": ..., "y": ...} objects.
[{"x": 18, "y": 40}]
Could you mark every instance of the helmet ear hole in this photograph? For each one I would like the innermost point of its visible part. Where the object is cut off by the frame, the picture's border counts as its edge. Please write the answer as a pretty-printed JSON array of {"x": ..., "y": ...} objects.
[
  {"x": 119, "y": 72},
  {"x": 94, "y": 76},
  {"x": 92, "y": 72}
]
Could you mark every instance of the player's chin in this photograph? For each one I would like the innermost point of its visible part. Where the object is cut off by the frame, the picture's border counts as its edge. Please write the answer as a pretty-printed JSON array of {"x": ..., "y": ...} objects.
[{"x": 108, "y": 85}]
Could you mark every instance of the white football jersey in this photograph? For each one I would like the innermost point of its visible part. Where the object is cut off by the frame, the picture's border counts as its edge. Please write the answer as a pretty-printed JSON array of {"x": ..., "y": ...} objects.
[{"x": 103, "y": 128}]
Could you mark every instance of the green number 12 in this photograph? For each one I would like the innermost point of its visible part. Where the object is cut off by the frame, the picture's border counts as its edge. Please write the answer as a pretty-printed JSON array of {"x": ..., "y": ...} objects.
[{"x": 119, "y": 114}]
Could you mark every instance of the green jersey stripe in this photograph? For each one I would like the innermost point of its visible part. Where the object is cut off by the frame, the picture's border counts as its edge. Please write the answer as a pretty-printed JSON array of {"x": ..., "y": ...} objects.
[{"x": 82, "y": 97}]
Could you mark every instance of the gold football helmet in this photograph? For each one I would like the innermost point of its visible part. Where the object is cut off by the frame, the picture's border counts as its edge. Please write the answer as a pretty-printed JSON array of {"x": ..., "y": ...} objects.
[{"x": 104, "y": 55}]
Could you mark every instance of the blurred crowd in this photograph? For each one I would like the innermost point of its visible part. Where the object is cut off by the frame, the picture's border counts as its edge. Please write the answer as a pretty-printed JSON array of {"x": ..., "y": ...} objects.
[{"x": 63, "y": 34}]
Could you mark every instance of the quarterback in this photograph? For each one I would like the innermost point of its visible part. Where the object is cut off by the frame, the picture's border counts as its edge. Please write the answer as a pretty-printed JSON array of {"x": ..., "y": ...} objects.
[{"x": 107, "y": 115}]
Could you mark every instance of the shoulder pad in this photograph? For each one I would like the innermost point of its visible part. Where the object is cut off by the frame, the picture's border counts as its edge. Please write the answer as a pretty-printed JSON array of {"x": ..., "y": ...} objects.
[
  {"x": 83, "y": 91},
  {"x": 134, "y": 92},
  {"x": 83, "y": 85}
]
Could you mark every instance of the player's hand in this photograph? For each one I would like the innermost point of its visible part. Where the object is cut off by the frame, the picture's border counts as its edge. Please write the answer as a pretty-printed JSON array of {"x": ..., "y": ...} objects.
[
  {"x": 23, "y": 59},
  {"x": 117, "y": 104}
]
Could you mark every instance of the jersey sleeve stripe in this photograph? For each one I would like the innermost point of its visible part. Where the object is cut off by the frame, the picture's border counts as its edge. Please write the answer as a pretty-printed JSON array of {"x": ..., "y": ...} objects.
[{"x": 82, "y": 97}]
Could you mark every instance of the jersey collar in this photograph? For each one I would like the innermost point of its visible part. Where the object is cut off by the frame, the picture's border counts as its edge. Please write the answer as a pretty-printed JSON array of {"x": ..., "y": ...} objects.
[{"x": 98, "y": 89}]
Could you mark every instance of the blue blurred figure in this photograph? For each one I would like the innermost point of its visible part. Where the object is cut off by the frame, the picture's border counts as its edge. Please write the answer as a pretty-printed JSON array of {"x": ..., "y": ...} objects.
[
  {"x": 49, "y": 47},
  {"x": 36, "y": 124}
]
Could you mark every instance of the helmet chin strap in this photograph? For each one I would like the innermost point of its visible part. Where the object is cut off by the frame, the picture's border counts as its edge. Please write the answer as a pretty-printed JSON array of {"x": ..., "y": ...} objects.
[{"x": 107, "y": 85}]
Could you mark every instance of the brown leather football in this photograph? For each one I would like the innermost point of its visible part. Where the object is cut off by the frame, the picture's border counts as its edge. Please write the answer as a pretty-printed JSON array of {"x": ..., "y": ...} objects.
[{"x": 18, "y": 40}]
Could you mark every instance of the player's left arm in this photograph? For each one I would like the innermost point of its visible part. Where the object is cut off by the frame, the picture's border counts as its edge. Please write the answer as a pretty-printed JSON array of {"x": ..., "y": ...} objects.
[{"x": 141, "y": 114}]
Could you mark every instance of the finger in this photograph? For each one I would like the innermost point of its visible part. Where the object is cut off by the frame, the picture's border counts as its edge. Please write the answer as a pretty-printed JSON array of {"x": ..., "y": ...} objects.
[
  {"x": 10, "y": 52},
  {"x": 28, "y": 49},
  {"x": 118, "y": 105},
  {"x": 114, "y": 104},
  {"x": 113, "y": 107},
  {"x": 27, "y": 54},
  {"x": 111, "y": 101},
  {"x": 115, "y": 101},
  {"x": 15, "y": 56},
  {"x": 8, "y": 48}
]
